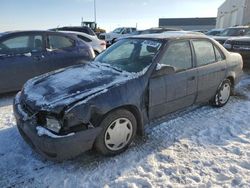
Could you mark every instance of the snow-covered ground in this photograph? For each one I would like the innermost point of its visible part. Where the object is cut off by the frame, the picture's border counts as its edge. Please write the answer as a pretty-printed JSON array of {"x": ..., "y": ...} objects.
[{"x": 201, "y": 146}]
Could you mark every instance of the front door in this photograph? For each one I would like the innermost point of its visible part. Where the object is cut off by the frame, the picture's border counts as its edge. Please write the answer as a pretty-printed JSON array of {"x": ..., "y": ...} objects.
[
  {"x": 60, "y": 52},
  {"x": 17, "y": 63},
  {"x": 171, "y": 92}
]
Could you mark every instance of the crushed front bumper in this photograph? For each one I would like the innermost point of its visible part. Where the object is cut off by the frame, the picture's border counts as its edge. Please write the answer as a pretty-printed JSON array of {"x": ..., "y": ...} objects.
[{"x": 56, "y": 149}]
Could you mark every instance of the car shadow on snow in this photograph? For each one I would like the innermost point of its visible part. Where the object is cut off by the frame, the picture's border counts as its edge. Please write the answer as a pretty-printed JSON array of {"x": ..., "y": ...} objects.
[{"x": 6, "y": 99}]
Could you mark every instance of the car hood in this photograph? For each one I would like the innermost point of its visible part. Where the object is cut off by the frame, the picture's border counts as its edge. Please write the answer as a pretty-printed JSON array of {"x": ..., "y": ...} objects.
[{"x": 54, "y": 91}]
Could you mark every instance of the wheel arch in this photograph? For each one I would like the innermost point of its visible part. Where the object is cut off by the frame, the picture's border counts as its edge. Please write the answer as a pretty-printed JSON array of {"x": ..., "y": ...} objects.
[
  {"x": 135, "y": 111},
  {"x": 231, "y": 79}
]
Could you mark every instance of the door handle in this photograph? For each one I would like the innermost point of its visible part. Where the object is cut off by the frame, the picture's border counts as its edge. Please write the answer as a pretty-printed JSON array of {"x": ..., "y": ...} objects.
[
  {"x": 223, "y": 69},
  {"x": 191, "y": 78}
]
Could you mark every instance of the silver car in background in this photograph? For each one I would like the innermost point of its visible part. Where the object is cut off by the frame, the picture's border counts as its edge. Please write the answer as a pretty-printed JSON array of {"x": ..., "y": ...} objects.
[{"x": 98, "y": 45}]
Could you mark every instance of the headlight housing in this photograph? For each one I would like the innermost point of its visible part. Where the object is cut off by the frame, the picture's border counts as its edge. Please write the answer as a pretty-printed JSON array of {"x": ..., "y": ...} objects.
[
  {"x": 53, "y": 124},
  {"x": 228, "y": 45}
]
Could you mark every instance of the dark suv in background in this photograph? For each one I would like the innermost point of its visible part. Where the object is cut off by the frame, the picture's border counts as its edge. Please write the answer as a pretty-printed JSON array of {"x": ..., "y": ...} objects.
[
  {"x": 240, "y": 45},
  {"x": 232, "y": 32},
  {"x": 26, "y": 54}
]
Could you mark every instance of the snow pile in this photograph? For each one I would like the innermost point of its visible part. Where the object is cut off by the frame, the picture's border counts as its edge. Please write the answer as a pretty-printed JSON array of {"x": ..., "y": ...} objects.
[
  {"x": 42, "y": 131},
  {"x": 201, "y": 146}
]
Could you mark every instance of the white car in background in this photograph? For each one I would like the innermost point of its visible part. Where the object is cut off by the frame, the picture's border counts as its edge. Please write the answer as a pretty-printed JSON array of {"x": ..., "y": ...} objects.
[
  {"x": 111, "y": 37},
  {"x": 97, "y": 44}
]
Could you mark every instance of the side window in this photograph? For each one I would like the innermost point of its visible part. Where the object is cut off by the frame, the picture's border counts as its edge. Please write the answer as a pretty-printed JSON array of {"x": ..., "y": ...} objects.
[
  {"x": 219, "y": 56},
  {"x": 17, "y": 42},
  {"x": 85, "y": 39},
  {"x": 204, "y": 51},
  {"x": 21, "y": 44},
  {"x": 37, "y": 43},
  {"x": 59, "y": 42},
  {"x": 178, "y": 55}
]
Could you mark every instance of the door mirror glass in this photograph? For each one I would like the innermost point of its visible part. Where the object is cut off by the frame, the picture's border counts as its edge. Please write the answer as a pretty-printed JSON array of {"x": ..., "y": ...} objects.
[{"x": 162, "y": 70}]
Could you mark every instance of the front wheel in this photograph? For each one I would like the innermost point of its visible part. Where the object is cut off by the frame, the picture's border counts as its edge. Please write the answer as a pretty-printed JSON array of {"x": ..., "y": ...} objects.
[
  {"x": 119, "y": 129},
  {"x": 223, "y": 94}
]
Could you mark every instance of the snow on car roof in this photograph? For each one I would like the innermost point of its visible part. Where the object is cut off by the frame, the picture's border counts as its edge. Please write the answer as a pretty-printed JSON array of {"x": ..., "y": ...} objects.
[{"x": 171, "y": 34}]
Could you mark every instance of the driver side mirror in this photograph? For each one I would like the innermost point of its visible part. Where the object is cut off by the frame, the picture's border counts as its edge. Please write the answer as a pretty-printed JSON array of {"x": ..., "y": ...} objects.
[{"x": 163, "y": 70}]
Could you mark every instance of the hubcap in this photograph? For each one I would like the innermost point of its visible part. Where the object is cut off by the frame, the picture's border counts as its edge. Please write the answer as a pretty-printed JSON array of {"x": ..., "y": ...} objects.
[
  {"x": 118, "y": 134},
  {"x": 224, "y": 93}
]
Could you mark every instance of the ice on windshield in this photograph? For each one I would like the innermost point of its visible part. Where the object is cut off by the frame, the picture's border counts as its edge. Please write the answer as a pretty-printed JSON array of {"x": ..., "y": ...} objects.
[{"x": 131, "y": 55}]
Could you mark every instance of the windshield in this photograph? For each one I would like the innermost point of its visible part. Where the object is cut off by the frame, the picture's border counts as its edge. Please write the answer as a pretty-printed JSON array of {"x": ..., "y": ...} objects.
[
  {"x": 131, "y": 55},
  {"x": 118, "y": 30},
  {"x": 233, "y": 32}
]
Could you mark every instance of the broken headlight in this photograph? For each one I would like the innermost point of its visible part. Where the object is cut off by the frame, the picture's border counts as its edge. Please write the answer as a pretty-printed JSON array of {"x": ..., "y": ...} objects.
[{"x": 53, "y": 124}]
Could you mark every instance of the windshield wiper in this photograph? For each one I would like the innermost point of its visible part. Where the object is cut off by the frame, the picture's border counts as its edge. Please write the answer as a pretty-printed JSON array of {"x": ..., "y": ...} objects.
[{"x": 109, "y": 66}]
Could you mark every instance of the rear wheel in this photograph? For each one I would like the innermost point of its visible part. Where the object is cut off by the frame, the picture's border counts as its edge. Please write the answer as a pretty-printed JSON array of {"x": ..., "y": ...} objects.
[
  {"x": 223, "y": 94},
  {"x": 119, "y": 128}
]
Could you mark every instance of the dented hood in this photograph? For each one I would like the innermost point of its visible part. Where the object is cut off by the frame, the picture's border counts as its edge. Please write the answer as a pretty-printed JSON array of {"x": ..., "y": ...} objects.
[{"x": 54, "y": 91}]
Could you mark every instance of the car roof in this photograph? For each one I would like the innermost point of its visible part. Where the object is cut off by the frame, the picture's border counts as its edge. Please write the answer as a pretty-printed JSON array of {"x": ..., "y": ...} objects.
[
  {"x": 238, "y": 27},
  {"x": 76, "y": 33},
  {"x": 172, "y": 35},
  {"x": 31, "y": 31}
]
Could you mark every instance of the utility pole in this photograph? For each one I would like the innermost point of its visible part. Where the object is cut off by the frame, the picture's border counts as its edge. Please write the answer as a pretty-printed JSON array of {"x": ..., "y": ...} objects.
[{"x": 95, "y": 10}]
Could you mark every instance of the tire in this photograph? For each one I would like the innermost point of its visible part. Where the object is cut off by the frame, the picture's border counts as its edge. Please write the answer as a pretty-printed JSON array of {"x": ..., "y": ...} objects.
[
  {"x": 223, "y": 94},
  {"x": 119, "y": 129}
]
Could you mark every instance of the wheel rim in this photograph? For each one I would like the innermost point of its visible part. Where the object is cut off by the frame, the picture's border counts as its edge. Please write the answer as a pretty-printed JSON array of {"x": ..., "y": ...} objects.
[
  {"x": 118, "y": 134},
  {"x": 224, "y": 93}
]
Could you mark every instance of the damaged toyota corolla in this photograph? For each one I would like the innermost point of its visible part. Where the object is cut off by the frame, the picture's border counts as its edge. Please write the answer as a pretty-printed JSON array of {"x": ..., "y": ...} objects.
[{"x": 105, "y": 103}]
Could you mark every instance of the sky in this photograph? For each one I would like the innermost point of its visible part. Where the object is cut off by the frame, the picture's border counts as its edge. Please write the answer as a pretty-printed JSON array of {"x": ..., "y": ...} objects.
[{"x": 46, "y": 14}]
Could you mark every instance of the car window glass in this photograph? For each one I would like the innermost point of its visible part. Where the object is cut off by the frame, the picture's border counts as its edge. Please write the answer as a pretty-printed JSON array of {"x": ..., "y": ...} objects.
[
  {"x": 121, "y": 52},
  {"x": 218, "y": 54},
  {"x": 59, "y": 42},
  {"x": 204, "y": 51},
  {"x": 178, "y": 55},
  {"x": 21, "y": 44},
  {"x": 85, "y": 39},
  {"x": 17, "y": 42},
  {"x": 132, "y": 55}
]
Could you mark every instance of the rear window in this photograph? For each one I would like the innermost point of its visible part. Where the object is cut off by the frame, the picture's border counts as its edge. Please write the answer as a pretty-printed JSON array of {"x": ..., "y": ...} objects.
[
  {"x": 85, "y": 39},
  {"x": 204, "y": 51},
  {"x": 59, "y": 42}
]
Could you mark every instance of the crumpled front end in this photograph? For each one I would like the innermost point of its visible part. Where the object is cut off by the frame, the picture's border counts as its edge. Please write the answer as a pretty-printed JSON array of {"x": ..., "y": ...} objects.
[{"x": 52, "y": 146}]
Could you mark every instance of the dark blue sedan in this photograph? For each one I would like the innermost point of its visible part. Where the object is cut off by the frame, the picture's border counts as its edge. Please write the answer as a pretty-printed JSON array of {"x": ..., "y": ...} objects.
[{"x": 26, "y": 54}]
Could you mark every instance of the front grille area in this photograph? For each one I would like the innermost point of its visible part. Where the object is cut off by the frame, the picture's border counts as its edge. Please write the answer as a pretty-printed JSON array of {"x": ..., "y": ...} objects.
[{"x": 241, "y": 43}]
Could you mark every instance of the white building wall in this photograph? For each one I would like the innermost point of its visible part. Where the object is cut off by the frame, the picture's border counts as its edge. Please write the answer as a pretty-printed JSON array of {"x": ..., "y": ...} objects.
[
  {"x": 246, "y": 20},
  {"x": 231, "y": 13}
]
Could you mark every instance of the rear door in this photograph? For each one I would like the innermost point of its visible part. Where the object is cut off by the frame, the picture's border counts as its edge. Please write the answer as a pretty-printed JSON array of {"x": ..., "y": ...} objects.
[
  {"x": 171, "y": 92},
  {"x": 211, "y": 66},
  {"x": 61, "y": 51},
  {"x": 18, "y": 55}
]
